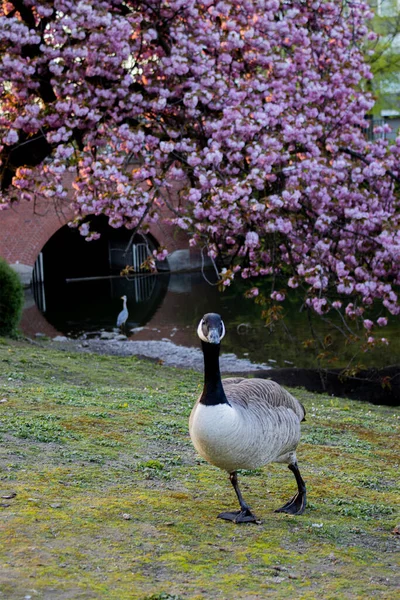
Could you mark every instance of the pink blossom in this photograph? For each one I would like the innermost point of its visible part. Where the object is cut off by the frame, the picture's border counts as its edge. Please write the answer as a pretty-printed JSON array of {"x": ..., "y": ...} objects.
[
  {"x": 227, "y": 276},
  {"x": 11, "y": 137},
  {"x": 278, "y": 296},
  {"x": 320, "y": 305},
  {"x": 94, "y": 235},
  {"x": 293, "y": 282},
  {"x": 252, "y": 239},
  {"x": 190, "y": 100},
  {"x": 160, "y": 254},
  {"x": 84, "y": 229},
  {"x": 253, "y": 292}
]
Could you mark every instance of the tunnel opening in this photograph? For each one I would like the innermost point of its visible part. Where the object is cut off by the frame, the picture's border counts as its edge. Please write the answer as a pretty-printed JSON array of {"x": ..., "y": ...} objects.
[
  {"x": 67, "y": 254},
  {"x": 77, "y": 285}
]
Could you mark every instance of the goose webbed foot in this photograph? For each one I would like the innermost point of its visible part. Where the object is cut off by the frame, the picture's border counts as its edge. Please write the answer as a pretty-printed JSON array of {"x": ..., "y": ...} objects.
[
  {"x": 244, "y": 515},
  {"x": 239, "y": 516},
  {"x": 297, "y": 504}
]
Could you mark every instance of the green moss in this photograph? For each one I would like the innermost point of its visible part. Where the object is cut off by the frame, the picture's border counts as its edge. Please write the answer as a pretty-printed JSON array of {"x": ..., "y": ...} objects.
[{"x": 113, "y": 502}]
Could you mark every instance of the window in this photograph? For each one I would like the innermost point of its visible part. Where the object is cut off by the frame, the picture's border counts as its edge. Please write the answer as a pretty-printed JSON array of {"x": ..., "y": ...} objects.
[{"x": 388, "y": 8}]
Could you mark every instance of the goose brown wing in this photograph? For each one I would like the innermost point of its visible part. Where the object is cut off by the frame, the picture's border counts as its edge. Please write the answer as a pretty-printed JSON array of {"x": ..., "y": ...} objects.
[
  {"x": 233, "y": 380},
  {"x": 253, "y": 393}
]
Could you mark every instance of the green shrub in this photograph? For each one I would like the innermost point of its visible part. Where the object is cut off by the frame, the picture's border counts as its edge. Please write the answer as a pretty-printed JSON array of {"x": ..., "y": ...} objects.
[{"x": 11, "y": 299}]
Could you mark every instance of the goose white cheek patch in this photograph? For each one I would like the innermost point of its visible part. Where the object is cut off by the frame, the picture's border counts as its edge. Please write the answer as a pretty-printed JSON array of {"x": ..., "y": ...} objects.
[{"x": 200, "y": 332}]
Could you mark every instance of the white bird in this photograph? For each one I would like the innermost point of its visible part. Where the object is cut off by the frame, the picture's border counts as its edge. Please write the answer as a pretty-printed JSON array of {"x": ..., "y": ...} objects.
[
  {"x": 123, "y": 315},
  {"x": 242, "y": 423}
]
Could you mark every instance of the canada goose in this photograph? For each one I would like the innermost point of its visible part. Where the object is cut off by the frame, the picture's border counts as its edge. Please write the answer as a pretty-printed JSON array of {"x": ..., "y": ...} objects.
[
  {"x": 242, "y": 423},
  {"x": 123, "y": 315}
]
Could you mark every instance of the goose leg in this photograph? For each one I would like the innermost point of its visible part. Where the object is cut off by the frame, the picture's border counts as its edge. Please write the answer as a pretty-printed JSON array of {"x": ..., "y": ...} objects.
[
  {"x": 297, "y": 504},
  {"x": 244, "y": 515}
]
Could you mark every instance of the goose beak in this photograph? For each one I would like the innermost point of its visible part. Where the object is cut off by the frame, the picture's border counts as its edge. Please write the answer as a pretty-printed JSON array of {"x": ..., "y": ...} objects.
[{"x": 213, "y": 336}]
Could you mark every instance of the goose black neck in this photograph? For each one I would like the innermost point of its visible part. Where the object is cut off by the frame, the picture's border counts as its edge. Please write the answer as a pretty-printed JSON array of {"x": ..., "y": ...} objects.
[{"x": 213, "y": 392}]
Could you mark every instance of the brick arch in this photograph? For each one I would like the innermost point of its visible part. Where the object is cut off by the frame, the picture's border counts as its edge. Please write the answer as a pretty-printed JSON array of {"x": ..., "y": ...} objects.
[{"x": 25, "y": 228}]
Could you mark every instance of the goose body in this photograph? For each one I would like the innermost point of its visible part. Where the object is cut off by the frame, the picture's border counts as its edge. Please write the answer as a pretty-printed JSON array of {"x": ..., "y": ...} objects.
[
  {"x": 249, "y": 430},
  {"x": 242, "y": 423}
]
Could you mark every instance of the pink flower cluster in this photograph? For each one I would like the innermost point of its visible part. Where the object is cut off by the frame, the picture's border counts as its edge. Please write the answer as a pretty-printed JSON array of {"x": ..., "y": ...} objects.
[{"x": 254, "y": 107}]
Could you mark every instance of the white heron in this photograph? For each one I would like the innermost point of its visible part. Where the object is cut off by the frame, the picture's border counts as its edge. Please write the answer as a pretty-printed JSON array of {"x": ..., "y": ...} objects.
[{"x": 123, "y": 315}]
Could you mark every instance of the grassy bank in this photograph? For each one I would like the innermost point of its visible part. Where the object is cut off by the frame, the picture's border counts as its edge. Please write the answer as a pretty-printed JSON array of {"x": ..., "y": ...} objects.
[{"x": 103, "y": 496}]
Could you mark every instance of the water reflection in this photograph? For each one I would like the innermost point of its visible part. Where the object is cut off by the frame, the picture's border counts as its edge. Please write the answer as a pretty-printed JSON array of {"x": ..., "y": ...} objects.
[
  {"x": 169, "y": 306},
  {"x": 92, "y": 304}
]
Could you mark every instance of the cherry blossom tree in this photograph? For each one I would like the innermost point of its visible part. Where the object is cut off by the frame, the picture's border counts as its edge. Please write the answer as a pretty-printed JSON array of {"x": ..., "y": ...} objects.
[{"x": 255, "y": 108}]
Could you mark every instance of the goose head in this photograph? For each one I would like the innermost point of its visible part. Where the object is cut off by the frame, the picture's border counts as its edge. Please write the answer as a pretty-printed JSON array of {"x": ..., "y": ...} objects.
[
  {"x": 211, "y": 329},
  {"x": 124, "y": 298}
]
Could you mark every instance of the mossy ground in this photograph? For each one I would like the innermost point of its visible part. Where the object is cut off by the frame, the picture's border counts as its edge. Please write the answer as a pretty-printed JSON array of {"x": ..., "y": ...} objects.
[{"x": 103, "y": 496}]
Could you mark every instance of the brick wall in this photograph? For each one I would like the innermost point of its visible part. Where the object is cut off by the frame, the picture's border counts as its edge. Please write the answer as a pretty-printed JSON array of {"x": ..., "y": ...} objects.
[
  {"x": 33, "y": 321},
  {"x": 25, "y": 228}
]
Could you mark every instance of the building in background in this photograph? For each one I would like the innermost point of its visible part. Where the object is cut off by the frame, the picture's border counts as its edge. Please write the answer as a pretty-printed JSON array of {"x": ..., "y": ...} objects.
[{"x": 384, "y": 59}]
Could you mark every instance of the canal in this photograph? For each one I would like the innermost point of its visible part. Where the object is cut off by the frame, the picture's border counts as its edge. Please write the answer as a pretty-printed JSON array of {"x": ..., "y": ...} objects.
[{"x": 169, "y": 306}]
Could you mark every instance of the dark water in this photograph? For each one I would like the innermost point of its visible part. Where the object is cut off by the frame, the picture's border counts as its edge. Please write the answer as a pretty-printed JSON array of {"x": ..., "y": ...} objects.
[{"x": 169, "y": 306}]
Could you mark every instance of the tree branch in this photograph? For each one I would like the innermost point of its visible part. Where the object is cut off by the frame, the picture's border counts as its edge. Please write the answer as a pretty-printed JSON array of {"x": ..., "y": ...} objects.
[{"x": 363, "y": 159}]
